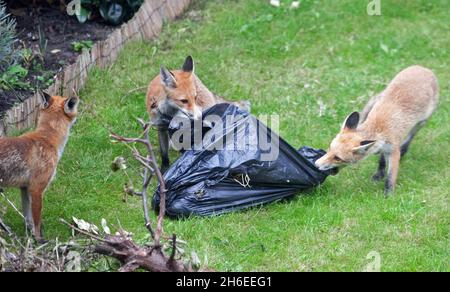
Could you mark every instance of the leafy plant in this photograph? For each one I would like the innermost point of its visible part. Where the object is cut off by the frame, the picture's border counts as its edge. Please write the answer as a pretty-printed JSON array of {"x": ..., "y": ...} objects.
[
  {"x": 112, "y": 11},
  {"x": 80, "y": 45},
  {"x": 13, "y": 77},
  {"x": 44, "y": 80},
  {"x": 43, "y": 42},
  {"x": 27, "y": 57},
  {"x": 8, "y": 54}
]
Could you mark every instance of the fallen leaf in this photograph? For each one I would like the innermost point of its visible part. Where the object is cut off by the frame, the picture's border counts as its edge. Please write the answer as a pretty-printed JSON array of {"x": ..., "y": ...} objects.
[
  {"x": 295, "y": 5},
  {"x": 275, "y": 3},
  {"x": 85, "y": 226},
  {"x": 195, "y": 260},
  {"x": 105, "y": 227}
]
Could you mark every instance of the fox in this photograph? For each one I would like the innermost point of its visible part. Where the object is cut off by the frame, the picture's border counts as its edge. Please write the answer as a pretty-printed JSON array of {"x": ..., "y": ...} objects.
[
  {"x": 179, "y": 92},
  {"x": 387, "y": 125},
  {"x": 29, "y": 162}
]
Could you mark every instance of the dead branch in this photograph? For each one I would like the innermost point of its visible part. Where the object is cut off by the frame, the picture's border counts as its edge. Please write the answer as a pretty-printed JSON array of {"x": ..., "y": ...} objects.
[
  {"x": 12, "y": 205},
  {"x": 132, "y": 256},
  {"x": 129, "y": 254},
  {"x": 84, "y": 232},
  {"x": 23, "y": 255},
  {"x": 146, "y": 181},
  {"x": 174, "y": 247},
  {"x": 151, "y": 167},
  {"x": 121, "y": 246}
]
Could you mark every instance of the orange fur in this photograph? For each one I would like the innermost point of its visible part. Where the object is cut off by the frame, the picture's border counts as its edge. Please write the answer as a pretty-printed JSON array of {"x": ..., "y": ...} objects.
[
  {"x": 189, "y": 87},
  {"x": 190, "y": 94},
  {"x": 179, "y": 92},
  {"x": 389, "y": 123},
  {"x": 29, "y": 162}
]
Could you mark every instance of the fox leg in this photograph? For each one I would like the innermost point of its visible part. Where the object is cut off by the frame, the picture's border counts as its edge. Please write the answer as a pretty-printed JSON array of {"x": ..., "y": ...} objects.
[
  {"x": 37, "y": 195},
  {"x": 26, "y": 208},
  {"x": 411, "y": 135},
  {"x": 394, "y": 161},
  {"x": 405, "y": 145},
  {"x": 163, "y": 137},
  {"x": 381, "y": 172}
]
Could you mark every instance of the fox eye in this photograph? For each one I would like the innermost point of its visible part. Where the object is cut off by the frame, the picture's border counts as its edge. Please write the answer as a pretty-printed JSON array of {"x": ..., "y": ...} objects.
[
  {"x": 184, "y": 101},
  {"x": 153, "y": 105},
  {"x": 338, "y": 159}
]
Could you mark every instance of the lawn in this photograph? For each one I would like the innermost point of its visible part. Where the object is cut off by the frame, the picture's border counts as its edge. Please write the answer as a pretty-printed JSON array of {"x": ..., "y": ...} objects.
[{"x": 311, "y": 66}]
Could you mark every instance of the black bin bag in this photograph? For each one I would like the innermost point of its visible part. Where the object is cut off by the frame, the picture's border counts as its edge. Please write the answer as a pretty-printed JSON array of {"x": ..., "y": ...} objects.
[{"x": 231, "y": 162}]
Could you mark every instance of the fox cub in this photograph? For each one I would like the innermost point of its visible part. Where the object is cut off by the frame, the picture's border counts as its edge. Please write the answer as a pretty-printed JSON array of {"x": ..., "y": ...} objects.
[
  {"x": 178, "y": 92},
  {"x": 388, "y": 124},
  {"x": 29, "y": 162}
]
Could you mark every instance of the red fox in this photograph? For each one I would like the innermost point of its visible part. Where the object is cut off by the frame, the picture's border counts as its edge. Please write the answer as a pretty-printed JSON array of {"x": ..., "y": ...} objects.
[
  {"x": 389, "y": 123},
  {"x": 29, "y": 162},
  {"x": 179, "y": 92}
]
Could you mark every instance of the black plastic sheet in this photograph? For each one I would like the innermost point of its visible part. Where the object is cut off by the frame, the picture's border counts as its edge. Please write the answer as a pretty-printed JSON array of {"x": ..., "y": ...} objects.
[{"x": 218, "y": 174}]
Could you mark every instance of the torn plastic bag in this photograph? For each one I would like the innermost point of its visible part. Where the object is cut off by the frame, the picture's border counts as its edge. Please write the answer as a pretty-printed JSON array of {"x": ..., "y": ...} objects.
[{"x": 233, "y": 162}]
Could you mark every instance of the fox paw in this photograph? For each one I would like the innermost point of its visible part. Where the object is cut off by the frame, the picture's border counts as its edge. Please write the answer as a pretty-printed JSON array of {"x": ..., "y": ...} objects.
[
  {"x": 378, "y": 176},
  {"x": 388, "y": 189}
]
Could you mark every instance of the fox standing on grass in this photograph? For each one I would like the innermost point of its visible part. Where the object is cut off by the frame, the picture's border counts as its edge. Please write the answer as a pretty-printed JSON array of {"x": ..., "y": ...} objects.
[
  {"x": 388, "y": 124},
  {"x": 29, "y": 162},
  {"x": 178, "y": 92}
]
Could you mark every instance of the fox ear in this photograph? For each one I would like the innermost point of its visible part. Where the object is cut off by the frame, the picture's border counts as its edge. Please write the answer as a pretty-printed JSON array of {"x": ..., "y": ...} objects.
[
  {"x": 351, "y": 122},
  {"x": 188, "y": 65},
  {"x": 71, "y": 106},
  {"x": 364, "y": 146},
  {"x": 167, "y": 78},
  {"x": 46, "y": 99}
]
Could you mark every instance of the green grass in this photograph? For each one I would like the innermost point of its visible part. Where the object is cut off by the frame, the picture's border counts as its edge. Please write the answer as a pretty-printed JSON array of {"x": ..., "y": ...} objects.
[{"x": 286, "y": 62}]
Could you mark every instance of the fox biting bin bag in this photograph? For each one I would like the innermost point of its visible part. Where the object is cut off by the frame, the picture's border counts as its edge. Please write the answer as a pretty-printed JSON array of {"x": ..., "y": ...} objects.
[{"x": 214, "y": 178}]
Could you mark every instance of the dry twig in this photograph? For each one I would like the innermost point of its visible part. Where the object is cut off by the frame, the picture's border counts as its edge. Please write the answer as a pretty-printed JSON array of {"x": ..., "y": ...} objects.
[{"x": 121, "y": 245}]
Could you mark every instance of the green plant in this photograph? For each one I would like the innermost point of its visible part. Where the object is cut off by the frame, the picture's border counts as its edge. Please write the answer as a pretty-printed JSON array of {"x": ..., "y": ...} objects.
[
  {"x": 13, "y": 77},
  {"x": 80, "y": 45},
  {"x": 113, "y": 11},
  {"x": 27, "y": 57},
  {"x": 43, "y": 42},
  {"x": 8, "y": 53},
  {"x": 44, "y": 80}
]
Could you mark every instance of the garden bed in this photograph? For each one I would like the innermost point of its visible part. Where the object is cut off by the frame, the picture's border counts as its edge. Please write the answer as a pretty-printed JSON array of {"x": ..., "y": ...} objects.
[
  {"x": 146, "y": 23},
  {"x": 65, "y": 37}
]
